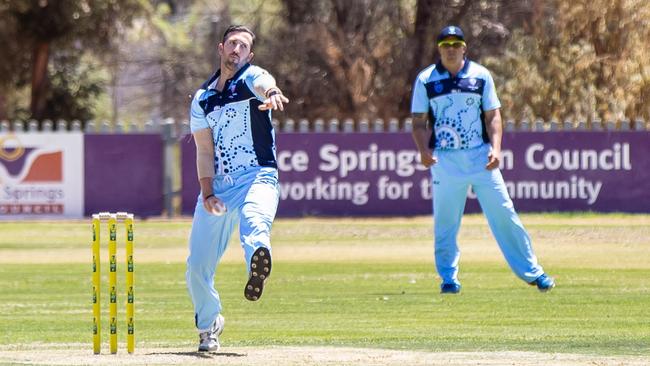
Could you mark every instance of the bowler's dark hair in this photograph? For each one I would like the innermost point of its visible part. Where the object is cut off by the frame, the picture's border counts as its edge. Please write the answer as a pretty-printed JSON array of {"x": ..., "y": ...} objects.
[{"x": 238, "y": 28}]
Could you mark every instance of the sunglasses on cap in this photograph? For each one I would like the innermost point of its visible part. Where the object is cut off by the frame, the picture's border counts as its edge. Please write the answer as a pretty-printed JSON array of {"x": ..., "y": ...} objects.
[{"x": 453, "y": 44}]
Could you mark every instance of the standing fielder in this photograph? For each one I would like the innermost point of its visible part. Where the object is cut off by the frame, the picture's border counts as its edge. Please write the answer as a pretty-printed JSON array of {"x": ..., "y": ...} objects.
[
  {"x": 237, "y": 171},
  {"x": 458, "y": 97}
]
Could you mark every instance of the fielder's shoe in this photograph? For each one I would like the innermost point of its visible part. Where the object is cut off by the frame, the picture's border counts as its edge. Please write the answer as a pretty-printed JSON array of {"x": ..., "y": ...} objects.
[
  {"x": 449, "y": 288},
  {"x": 209, "y": 341},
  {"x": 544, "y": 283},
  {"x": 258, "y": 273}
]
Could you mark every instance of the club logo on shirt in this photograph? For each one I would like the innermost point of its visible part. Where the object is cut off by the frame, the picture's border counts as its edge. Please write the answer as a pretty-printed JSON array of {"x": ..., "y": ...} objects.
[
  {"x": 472, "y": 84},
  {"x": 437, "y": 86},
  {"x": 232, "y": 88}
]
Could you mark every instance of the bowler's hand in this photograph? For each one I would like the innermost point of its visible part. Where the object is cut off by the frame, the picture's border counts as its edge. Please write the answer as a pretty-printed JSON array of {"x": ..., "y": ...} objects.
[
  {"x": 494, "y": 158},
  {"x": 214, "y": 205},
  {"x": 274, "y": 102},
  {"x": 428, "y": 159}
]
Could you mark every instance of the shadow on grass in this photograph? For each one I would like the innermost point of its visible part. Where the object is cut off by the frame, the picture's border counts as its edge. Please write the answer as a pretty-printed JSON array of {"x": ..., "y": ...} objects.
[{"x": 206, "y": 355}]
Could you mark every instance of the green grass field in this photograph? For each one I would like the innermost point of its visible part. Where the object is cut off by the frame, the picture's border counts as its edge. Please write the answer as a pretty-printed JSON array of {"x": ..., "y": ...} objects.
[{"x": 352, "y": 282}]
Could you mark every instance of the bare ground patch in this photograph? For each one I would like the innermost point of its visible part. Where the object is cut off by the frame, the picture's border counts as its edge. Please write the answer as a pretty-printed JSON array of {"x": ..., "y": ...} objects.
[{"x": 303, "y": 356}]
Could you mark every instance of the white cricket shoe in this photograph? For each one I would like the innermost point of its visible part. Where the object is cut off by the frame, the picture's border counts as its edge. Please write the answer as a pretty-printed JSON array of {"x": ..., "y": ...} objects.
[{"x": 209, "y": 340}]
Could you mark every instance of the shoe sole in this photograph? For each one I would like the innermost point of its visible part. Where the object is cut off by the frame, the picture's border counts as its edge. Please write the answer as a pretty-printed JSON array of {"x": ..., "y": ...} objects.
[
  {"x": 260, "y": 270},
  {"x": 547, "y": 289},
  {"x": 450, "y": 291},
  {"x": 213, "y": 349}
]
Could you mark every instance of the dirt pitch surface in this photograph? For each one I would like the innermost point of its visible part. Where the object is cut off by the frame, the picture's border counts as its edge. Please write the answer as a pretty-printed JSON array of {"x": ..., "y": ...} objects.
[{"x": 303, "y": 356}]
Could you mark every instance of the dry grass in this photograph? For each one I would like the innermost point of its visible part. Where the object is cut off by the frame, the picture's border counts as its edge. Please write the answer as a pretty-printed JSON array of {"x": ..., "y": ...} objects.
[{"x": 596, "y": 241}]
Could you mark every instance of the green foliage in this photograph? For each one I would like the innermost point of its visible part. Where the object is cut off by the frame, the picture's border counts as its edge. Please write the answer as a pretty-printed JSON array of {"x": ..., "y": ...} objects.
[
  {"x": 553, "y": 59},
  {"x": 580, "y": 60},
  {"x": 75, "y": 85},
  {"x": 71, "y": 29}
]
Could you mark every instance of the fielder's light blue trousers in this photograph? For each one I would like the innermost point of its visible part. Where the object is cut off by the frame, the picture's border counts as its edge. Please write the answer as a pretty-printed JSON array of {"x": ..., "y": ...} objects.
[
  {"x": 251, "y": 198},
  {"x": 455, "y": 171}
]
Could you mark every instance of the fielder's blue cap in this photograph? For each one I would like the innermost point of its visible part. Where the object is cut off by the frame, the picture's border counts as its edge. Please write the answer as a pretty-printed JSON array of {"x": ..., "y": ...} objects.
[{"x": 451, "y": 31}]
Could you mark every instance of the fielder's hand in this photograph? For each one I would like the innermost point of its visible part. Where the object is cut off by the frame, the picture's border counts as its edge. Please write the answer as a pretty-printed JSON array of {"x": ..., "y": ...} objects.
[
  {"x": 494, "y": 158},
  {"x": 428, "y": 159}
]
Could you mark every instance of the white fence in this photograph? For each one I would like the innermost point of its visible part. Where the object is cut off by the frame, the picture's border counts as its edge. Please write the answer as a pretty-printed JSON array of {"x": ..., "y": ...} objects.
[{"x": 348, "y": 125}]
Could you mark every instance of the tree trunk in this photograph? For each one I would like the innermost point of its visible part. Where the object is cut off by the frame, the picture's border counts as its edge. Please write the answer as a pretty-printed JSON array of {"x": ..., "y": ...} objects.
[
  {"x": 3, "y": 107},
  {"x": 39, "y": 79},
  {"x": 422, "y": 43}
]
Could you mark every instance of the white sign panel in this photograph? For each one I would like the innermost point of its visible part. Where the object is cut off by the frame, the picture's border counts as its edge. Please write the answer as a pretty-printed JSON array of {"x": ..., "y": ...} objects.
[{"x": 41, "y": 175}]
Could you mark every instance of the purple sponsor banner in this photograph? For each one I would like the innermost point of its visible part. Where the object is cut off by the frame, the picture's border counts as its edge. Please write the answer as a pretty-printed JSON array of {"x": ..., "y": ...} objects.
[
  {"x": 351, "y": 174},
  {"x": 124, "y": 172},
  {"x": 578, "y": 171},
  {"x": 378, "y": 174}
]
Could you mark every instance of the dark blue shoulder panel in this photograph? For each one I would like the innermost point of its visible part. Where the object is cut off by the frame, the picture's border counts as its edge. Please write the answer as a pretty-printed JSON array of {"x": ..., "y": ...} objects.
[{"x": 455, "y": 85}]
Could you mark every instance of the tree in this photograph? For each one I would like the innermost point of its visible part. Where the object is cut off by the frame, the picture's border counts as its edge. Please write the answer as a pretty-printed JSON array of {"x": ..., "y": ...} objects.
[
  {"x": 38, "y": 29},
  {"x": 581, "y": 60},
  {"x": 360, "y": 58}
]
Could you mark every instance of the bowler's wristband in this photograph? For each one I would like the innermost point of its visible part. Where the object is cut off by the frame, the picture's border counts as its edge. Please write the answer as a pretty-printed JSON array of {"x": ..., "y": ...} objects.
[
  {"x": 272, "y": 92},
  {"x": 208, "y": 196}
]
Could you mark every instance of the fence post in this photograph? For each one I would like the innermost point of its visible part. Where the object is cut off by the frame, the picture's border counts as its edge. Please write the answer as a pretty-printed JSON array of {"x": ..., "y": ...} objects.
[
  {"x": 348, "y": 125},
  {"x": 596, "y": 124},
  {"x": 625, "y": 124},
  {"x": 289, "y": 125},
  {"x": 408, "y": 124},
  {"x": 47, "y": 125},
  {"x": 639, "y": 124},
  {"x": 333, "y": 125},
  {"x": 393, "y": 125},
  {"x": 319, "y": 125},
  {"x": 524, "y": 125},
  {"x": 378, "y": 125},
  {"x": 303, "y": 125},
  {"x": 171, "y": 168},
  {"x": 19, "y": 126},
  {"x": 364, "y": 126},
  {"x": 61, "y": 125},
  {"x": 554, "y": 125},
  {"x": 76, "y": 125}
]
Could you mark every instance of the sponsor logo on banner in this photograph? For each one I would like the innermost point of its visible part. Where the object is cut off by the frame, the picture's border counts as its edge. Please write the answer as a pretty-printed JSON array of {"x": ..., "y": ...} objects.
[{"x": 41, "y": 175}]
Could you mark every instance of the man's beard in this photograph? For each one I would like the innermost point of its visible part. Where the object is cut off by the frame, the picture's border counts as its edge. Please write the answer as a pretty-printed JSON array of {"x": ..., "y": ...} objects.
[{"x": 232, "y": 64}]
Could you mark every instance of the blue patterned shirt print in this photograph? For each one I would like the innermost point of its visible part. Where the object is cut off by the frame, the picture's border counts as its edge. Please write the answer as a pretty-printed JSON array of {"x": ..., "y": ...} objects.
[
  {"x": 243, "y": 135},
  {"x": 455, "y": 104}
]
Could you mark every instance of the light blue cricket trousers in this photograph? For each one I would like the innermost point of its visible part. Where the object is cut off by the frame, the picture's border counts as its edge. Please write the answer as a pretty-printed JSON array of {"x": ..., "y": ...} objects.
[
  {"x": 251, "y": 198},
  {"x": 455, "y": 171}
]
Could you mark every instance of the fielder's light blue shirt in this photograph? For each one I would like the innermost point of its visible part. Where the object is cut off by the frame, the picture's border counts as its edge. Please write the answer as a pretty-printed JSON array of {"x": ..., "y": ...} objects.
[{"x": 455, "y": 104}]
